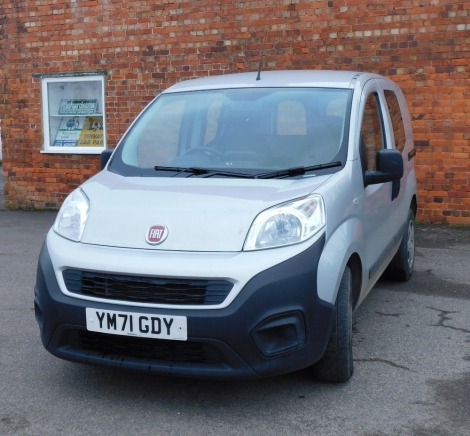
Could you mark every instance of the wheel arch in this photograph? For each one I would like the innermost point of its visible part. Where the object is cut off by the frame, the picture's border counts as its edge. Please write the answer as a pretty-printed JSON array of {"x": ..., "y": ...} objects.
[{"x": 344, "y": 245}]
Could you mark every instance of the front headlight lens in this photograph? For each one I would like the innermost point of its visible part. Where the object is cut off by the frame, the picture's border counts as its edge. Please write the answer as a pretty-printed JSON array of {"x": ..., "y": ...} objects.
[
  {"x": 287, "y": 224},
  {"x": 72, "y": 216}
]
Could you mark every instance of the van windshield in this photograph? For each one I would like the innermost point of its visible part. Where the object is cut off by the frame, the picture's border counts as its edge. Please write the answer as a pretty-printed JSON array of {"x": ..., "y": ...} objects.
[{"x": 246, "y": 131}]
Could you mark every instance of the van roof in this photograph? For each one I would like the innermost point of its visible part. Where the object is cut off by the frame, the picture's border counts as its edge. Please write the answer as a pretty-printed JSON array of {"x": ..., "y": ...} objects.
[{"x": 293, "y": 78}]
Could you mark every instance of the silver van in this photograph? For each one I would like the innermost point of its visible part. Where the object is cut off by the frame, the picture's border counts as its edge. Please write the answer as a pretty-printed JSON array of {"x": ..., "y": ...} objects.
[{"x": 235, "y": 228}]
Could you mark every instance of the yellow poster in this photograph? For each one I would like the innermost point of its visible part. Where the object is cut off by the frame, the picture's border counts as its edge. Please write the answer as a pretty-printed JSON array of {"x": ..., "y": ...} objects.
[{"x": 92, "y": 133}]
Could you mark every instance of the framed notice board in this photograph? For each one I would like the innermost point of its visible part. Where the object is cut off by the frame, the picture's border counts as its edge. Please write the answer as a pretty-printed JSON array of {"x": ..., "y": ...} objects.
[{"x": 74, "y": 114}]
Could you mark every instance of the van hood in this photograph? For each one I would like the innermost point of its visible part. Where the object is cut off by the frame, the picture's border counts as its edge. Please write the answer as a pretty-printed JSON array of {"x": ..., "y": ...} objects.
[{"x": 199, "y": 214}]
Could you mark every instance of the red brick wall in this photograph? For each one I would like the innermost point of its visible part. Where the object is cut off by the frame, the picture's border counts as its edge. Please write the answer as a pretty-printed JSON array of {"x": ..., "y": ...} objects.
[{"x": 145, "y": 46}]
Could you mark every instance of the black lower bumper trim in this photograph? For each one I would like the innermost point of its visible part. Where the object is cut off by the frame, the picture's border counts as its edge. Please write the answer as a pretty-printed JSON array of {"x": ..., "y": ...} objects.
[{"x": 239, "y": 341}]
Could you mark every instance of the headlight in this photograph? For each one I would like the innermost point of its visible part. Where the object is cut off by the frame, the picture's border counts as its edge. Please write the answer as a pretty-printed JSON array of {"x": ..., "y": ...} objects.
[
  {"x": 72, "y": 216},
  {"x": 286, "y": 224}
]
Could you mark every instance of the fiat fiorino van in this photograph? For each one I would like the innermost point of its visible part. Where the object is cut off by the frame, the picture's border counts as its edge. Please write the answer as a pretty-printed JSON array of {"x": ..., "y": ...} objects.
[{"x": 235, "y": 228}]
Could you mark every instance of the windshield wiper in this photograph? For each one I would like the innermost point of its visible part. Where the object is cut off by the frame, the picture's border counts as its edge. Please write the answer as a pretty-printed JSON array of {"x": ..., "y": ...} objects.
[
  {"x": 297, "y": 171},
  {"x": 179, "y": 170},
  {"x": 279, "y": 174},
  {"x": 203, "y": 172}
]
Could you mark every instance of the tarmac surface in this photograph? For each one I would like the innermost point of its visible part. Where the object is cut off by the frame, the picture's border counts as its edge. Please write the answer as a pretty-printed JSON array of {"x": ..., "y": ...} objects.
[
  {"x": 411, "y": 347},
  {"x": 2, "y": 196}
]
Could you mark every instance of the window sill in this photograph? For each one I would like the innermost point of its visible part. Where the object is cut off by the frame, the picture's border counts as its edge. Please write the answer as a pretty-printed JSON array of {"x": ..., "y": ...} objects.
[{"x": 67, "y": 150}]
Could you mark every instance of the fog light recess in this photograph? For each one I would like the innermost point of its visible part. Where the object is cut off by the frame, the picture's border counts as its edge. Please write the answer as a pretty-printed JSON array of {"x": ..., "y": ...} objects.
[
  {"x": 38, "y": 314},
  {"x": 280, "y": 334}
]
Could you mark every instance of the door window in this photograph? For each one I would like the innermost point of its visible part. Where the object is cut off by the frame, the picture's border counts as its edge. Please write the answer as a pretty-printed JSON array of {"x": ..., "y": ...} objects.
[
  {"x": 372, "y": 135},
  {"x": 397, "y": 119}
]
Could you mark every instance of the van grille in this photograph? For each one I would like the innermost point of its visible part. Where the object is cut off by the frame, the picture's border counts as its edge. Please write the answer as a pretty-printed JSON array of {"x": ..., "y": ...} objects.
[
  {"x": 143, "y": 348},
  {"x": 146, "y": 289}
]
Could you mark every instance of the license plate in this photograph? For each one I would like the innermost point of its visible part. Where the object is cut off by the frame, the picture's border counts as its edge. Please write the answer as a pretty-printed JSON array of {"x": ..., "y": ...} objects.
[{"x": 136, "y": 324}]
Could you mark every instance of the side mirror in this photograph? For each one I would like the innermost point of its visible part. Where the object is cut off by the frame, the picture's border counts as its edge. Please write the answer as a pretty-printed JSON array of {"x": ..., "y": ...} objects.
[
  {"x": 104, "y": 158},
  {"x": 389, "y": 168}
]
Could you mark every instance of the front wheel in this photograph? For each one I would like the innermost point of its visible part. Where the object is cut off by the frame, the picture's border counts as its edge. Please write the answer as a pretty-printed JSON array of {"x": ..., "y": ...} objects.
[{"x": 336, "y": 365}]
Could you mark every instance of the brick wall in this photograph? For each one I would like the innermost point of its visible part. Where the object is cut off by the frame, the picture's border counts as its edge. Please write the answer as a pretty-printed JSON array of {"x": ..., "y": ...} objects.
[{"x": 145, "y": 46}]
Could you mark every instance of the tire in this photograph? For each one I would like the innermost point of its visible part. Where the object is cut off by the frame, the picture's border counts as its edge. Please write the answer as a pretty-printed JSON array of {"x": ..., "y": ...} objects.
[
  {"x": 336, "y": 365},
  {"x": 402, "y": 265}
]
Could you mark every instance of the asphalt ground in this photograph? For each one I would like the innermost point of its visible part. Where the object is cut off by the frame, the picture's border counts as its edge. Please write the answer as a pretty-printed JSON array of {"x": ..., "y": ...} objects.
[
  {"x": 2, "y": 196},
  {"x": 411, "y": 351}
]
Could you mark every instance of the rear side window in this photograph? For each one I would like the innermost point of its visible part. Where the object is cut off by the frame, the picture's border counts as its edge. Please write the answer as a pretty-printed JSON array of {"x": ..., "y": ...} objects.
[
  {"x": 397, "y": 119},
  {"x": 372, "y": 137}
]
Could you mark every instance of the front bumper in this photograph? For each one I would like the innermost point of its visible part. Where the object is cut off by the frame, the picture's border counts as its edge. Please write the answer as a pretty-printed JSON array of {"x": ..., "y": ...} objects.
[{"x": 275, "y": 325}]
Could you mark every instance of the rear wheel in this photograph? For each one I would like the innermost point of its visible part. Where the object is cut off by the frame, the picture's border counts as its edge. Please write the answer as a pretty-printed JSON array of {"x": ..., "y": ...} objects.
[
  {"x": 402, "y": 265},
  {"x": 336, "y": 365}
]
